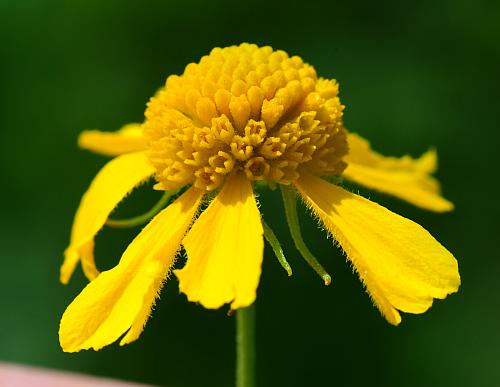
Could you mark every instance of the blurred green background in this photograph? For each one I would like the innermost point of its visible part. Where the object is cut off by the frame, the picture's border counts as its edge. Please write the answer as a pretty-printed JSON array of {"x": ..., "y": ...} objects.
[{"x": 412, "y": 74}]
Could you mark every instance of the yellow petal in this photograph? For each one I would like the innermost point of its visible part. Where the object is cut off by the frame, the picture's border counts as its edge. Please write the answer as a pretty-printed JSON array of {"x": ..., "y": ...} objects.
[
  {"x": 401, "y": 264},
  {"x": 110, "y": 186},
  {"x": 403, "y": 177},
  {"x": 120, "y": 299},
  {"x": 224, "y": 248},
  {"x": 127, "y": 139}
]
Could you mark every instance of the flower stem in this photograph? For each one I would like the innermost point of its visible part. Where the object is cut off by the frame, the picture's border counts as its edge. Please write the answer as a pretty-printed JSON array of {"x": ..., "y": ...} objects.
[{"x": 245, "y": 347}]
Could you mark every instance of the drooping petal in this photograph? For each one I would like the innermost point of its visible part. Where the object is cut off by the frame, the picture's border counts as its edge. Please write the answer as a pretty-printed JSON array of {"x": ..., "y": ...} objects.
[
  {"x": 402, "y": 266},
  {"x": 113, "y": 182},
  {"x": 225, "y": 248},
  {"x": 405, "y": 177},
  {"x": 120, "y": 300},
  {"x": 127, "y": 139}
]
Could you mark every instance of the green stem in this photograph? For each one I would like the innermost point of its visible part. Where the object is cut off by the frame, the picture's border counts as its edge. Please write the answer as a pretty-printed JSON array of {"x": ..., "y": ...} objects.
[
  {"x": 289, "y": 201},
  {"x": 141, "y": 219},
  {"x": 245, "y": 347},
  {"x": 275, "y": 244}
]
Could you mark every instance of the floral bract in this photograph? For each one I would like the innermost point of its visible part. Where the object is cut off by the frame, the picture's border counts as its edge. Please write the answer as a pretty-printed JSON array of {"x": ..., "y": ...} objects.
[{"x": 245, "y": 114}]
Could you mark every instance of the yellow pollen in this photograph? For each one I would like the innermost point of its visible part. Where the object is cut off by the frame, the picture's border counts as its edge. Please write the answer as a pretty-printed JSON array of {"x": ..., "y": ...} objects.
[{"x": 245, "y": 108}]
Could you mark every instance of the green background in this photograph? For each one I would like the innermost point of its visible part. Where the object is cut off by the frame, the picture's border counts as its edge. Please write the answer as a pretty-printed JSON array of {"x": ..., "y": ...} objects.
[{"x": 412, "y": 74}]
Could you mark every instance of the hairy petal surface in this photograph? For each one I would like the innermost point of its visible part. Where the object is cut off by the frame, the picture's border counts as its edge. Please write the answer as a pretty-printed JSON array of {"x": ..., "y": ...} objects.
[
  {"x": 125, "y": 140},
  {"x": 402, "y": 266},
  {"x": 406, "y": 178},
  {"x": 225, "y": 248},
  {"x": 113, "y": 182},
  {"x": 120, "y": 300}
]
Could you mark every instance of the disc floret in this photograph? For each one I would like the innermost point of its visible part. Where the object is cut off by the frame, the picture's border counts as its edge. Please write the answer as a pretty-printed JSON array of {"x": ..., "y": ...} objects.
[{"x": 245, "y": 108}]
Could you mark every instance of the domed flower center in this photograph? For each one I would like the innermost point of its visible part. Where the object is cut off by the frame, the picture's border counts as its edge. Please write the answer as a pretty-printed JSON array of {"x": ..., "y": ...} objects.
[{"x": 245, "y": 108}]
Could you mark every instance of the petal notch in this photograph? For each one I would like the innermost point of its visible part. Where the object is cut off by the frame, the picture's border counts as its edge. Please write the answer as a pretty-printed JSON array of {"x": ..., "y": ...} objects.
[
  {"x": 120, "y": 300},
  {"x": 402, "y": 266},
  {"x": 224, "y": 248},
  {"x": 406, "y": 178},
  {"x": 113, "y": 182}
]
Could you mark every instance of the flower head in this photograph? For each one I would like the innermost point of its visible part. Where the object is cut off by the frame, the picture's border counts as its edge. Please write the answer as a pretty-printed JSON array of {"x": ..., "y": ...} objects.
[
  {"x": 246, "y": 114},
  {"x": 245, "y": 109}
]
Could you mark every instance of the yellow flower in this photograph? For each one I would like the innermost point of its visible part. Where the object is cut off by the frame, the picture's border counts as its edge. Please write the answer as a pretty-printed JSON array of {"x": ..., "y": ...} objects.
[{"x": 245, "y": 114}]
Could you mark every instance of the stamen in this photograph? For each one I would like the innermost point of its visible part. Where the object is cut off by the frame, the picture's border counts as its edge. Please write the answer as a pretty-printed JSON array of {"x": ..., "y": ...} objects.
[
  {"x": 256, "y": 132},
  {"x": 222, "y": 129},
  {"x": 272, "y": 148},
  {"x": 207, "y": 178},
  {"x": 144, "y": 218},
  {"x": 276, "y": 246},
  {"x": 222, "y": 162},
  {"x": 240, "y": 148},
  {"x": 289, "y": 201},
  {"x": 257, "y": 168}
]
